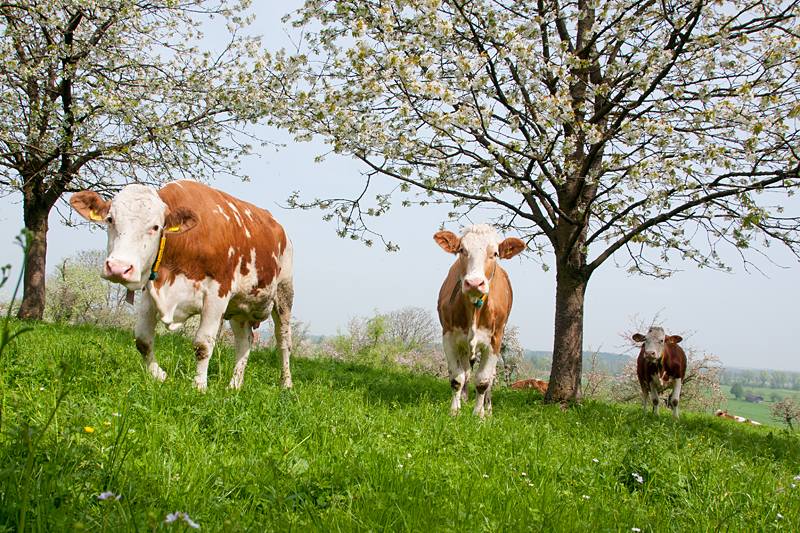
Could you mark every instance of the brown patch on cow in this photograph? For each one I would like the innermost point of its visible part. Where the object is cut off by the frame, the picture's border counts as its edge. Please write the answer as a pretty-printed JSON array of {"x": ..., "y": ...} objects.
[
  {"x": 201, "y": 352},
  {"x": 143, "y": 347},
  {"x": 531, "y": 383},
  {"x": 197, "y": 254}
]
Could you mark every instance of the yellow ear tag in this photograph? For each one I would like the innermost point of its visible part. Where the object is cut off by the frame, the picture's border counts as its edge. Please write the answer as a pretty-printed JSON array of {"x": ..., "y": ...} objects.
[
  {"x": 174, "y": 228},
  {"x": 94, "y": 216}
]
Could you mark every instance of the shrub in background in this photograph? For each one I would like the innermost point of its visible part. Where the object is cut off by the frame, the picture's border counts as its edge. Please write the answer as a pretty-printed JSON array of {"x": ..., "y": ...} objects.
[
  {"x": 404, "y": 338},
  {"x": 76, "y": 294}
]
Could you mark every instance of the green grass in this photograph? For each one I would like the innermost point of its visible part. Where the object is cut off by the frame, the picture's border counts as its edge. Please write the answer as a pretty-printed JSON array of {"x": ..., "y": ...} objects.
[{"x": 357, "y": 448}]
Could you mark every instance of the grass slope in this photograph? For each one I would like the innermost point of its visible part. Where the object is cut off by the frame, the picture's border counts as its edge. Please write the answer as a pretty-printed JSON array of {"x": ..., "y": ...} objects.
[{"x": 355, "y": 448}]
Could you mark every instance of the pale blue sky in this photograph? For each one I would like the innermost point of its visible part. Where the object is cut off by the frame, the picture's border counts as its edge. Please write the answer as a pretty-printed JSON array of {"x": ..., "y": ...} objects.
[{"x": 742, "y": 318}]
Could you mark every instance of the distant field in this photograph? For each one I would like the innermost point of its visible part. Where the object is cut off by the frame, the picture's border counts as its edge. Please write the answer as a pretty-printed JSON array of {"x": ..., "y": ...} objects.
[{"x": 760, "y": 412}]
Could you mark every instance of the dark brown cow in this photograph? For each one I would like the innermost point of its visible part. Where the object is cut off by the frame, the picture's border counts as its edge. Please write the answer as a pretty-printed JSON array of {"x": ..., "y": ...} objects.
[
  {"x": 661, "y": 365},
  {"x": 196, "y": 250},
  {"x": 474, "y": 304},
  {"x": 532, "y": 383}
]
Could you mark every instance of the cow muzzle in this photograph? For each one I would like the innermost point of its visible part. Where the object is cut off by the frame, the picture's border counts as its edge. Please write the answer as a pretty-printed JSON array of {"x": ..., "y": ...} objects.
[
  {"x": 475, "y": 286},
  {"x": 652, "y": 357},
  {"x": 118, "y": 271}
]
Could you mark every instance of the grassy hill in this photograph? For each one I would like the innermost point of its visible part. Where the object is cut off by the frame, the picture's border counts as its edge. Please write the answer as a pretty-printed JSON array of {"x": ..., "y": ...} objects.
[{"x": 354, "y": 448}]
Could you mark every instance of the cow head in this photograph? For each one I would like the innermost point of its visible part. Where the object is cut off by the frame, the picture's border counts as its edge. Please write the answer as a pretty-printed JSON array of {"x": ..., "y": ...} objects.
[
  {"x": 655, "y": 343},
  {"x": 478, "y": 249},
  {"x": 136, "y": 219}
]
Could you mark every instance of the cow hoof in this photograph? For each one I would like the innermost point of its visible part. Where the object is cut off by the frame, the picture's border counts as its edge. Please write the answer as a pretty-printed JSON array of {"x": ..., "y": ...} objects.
[
  {"x": 201, "y": 386},
  {"x": 453, "y": 412},
  {"x": 157, "y": 373},
  {"x": 286, "y": 383},
  {"x": 235, "y": 384}
]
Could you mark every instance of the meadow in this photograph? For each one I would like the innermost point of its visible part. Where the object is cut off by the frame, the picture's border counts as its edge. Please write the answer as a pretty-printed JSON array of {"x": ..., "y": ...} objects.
[
  {"x": 89, "y": 442},
  {"x": 760, "y": 412}
]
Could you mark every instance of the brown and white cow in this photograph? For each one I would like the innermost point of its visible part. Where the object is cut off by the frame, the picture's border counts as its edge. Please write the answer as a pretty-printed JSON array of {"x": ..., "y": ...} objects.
[
  {"x": 737, "y": 418},
  {"x": 474, "y": 304},
  {"x": 531, "y": 383},
  {"x": 196, "y": 250},
  {"x": 661, "y": 365}
]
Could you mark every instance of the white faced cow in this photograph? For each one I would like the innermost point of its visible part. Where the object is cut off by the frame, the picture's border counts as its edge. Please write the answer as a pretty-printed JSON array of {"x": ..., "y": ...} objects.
[
  {"x": 474, "y": 304},
  {"x": 661, "y": 365},
  {"x": 196, "y": 250}
]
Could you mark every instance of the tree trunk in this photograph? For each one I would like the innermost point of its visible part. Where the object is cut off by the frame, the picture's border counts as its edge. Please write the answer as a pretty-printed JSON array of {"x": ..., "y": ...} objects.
[
  {"x": 36, "y": 213},
  {"x": 565, "y": 374}
]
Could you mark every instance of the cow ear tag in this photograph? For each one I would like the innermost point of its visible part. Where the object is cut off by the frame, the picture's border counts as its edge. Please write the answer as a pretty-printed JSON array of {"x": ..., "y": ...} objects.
[
  {"x": 174, "y": 228},
  {"x": 94, "y": 216}
]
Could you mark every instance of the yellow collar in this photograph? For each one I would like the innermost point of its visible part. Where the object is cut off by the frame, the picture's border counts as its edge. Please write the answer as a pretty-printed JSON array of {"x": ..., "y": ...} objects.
[{"x": 154, "y": 270}]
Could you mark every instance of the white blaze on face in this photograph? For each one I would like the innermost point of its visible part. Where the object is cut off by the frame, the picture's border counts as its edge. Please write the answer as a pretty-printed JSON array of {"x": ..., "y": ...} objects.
[
  {"x": 134, "y": 223},
  {"x": 478, "y": 255},
  {"x": 654, "y": 344}
]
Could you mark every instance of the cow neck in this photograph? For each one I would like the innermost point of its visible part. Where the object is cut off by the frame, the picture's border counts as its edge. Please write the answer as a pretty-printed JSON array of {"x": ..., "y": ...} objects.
[
  {"x": 129, "y": 295},
  {"x": 479, "y": 302},
  {"x": 154, "y": 270}
]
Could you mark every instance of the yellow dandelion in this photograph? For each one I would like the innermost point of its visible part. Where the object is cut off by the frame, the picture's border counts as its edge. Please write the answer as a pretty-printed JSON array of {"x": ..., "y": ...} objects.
[
  {"x": 88, "y": 429},
  {"x": 107, "y": 423}
]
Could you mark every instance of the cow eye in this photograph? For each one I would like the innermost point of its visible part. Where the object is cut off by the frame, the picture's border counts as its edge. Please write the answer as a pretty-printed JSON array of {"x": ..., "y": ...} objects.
[
  {"x": 155, "y": 228},
  {"x": 109, "y": 220}
]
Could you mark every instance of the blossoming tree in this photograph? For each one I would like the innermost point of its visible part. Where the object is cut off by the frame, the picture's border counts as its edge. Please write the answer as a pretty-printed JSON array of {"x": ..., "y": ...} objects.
[
  {"x": 639, "y": 130},
  {"x": 95, "y": 93}
]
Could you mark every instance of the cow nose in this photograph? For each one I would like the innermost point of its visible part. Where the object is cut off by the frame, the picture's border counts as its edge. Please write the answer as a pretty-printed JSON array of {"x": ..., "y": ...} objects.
[
  {"x": 118, "y": 270},
  {"x": 475, "y": 284},
  {"x": 650, "y": 354}
]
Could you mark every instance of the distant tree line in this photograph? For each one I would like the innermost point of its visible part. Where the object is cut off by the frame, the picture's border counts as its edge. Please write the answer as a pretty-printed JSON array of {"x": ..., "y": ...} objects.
[{"x": 773, "y": 379}]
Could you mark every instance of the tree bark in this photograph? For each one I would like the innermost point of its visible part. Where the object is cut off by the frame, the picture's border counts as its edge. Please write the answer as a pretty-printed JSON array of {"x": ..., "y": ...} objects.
[
  {"x": 36, "y": 213},
  {"x": 565, "y": 374}
]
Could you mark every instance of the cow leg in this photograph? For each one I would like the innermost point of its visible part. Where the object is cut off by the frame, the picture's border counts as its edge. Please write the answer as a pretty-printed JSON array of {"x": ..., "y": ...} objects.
[
  {"x": 483, "y": 381},
  {"x": 146, "y": 334},
  {"x": 467, "y": 364},
  {"x": 488, "y": 400},
  {"x": 282, "y": 318},
  {"x": 675, "y": 397},
  {"x": 457, "y": 371},
  {"x": 205, "y": 338},
  {"x": 654, "y": 397},
  {"x": 242, "y": 341}
]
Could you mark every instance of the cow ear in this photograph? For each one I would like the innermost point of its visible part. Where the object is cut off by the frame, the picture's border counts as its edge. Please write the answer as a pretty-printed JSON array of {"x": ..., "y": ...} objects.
[
  {"x": 448, "y": 241},
  {"x": 674, "y": 339},
  {"x": 90, "y": 205},
  {"x": 638, "y": 337},
  {"x": 510, "y": 247},
  {"x": 180, "y": 220}
]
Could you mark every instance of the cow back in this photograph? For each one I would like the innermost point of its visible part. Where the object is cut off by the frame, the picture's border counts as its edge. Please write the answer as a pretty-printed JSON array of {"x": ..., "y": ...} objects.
[{"x": 232, "y": 235}]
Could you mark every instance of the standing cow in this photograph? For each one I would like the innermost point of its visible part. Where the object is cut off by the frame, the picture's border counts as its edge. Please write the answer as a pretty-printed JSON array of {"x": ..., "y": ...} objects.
[
  {"x": 661, "y": 365},
  {"x": 195, "y": 250},
  {"x": 474, "y": 304}
]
